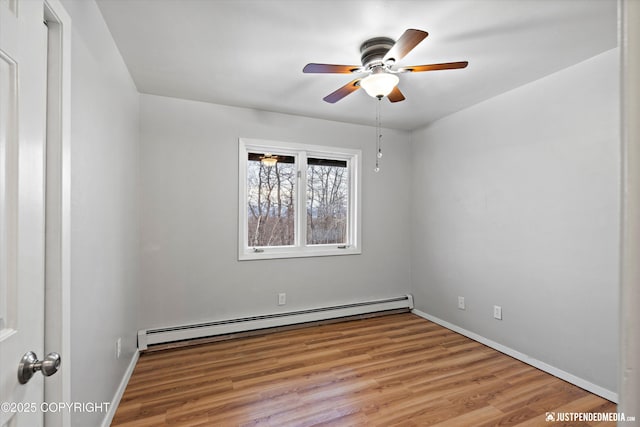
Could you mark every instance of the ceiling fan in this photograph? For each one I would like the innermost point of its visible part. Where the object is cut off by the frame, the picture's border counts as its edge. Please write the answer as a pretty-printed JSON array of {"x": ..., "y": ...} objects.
[{"x": 377, "y": 75}]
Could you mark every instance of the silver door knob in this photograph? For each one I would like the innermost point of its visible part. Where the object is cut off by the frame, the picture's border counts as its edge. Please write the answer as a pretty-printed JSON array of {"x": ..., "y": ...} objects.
[{"x": 30, "y": 364}]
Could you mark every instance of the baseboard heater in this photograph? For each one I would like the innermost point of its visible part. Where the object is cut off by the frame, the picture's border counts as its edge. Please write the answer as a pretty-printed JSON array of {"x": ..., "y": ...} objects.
[{"x": 147, "y": 337}]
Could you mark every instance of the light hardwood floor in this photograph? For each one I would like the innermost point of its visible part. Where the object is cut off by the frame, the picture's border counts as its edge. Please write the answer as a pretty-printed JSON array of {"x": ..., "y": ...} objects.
[{"x": 385, "y": 371}]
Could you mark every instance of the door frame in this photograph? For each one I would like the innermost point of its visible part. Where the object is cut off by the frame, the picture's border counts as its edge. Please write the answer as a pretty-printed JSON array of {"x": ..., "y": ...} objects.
[
  {"x": 58, "y": 208},
  {"x": 629, "y": 348}
]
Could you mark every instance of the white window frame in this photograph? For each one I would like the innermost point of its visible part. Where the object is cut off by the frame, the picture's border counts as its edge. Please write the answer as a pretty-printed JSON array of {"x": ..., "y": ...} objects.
[{"x": 300, "y": 247}]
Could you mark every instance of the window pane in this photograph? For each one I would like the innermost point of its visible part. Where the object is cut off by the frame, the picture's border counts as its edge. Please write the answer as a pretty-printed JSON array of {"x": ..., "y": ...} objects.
[
  {"x": 327, "y": 201},
  {"x": 270, "y": 200}
]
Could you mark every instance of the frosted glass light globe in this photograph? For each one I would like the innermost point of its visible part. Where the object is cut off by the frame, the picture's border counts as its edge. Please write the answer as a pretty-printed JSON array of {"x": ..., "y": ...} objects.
[{"x": 379, "y": 84}]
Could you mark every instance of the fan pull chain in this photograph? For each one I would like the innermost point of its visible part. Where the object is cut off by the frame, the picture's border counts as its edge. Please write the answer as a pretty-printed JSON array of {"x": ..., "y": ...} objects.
[{"x": 378, "y": 137}]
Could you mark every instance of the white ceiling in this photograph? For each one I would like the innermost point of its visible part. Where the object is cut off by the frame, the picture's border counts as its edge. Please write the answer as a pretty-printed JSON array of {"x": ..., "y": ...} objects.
[{"x": 250, "y": 53}]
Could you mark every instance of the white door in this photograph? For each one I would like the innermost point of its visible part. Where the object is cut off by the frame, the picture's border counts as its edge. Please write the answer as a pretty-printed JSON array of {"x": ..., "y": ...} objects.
[{"x": 23, "y": 48}]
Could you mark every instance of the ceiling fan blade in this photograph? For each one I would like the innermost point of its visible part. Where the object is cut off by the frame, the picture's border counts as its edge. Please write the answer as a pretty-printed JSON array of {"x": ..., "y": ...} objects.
[
  {"x": 396, "y": 95},
  {"x": 345, "y": 90},
  {"x": 433, "y": 67},
  {"x": 407, "y": 41},
  {"x": 330, "y": 68}
]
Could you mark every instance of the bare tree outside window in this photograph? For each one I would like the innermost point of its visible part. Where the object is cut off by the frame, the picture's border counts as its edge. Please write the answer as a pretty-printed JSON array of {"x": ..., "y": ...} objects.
[
  {"x": 271, "y": 201},
  {"x": 327, "y": 201}
]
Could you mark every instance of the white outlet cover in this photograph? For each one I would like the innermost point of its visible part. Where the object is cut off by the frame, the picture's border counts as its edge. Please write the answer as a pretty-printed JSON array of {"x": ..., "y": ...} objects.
[
  {"x": 282, "y": 298},
  {"x": 461, "y": 303},
  {"x": 497, "y": 312}
]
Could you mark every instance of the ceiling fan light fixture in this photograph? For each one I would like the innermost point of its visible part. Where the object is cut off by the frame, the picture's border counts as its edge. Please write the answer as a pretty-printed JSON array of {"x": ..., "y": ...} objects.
[{"x": 380, "y": 84}]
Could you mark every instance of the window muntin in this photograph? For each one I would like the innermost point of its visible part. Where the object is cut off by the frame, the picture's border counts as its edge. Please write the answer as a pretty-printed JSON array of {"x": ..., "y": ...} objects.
[{"x": 306, "y": 204}]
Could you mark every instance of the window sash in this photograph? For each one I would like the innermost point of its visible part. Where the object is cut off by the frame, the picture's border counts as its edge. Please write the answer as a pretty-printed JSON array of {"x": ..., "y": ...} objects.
[
  {"x": 303, "y": 155},
  {"x": 271, "y": 207},
  {"x": 328, "y": 173}
]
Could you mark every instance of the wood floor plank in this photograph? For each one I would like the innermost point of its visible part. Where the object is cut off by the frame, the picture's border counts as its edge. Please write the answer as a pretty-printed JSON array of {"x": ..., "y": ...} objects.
[
  {"x": 485, "y": 414},
  {"x": 384, "y": 371}
]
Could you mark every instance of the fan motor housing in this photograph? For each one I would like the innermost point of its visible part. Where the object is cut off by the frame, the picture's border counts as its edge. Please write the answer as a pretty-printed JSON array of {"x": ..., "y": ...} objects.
[{"x": 373, "y": 50}]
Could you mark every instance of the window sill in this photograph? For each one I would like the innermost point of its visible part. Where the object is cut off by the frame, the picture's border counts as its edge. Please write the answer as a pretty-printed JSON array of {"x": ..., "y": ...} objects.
[{"x": 291, "y": 252}]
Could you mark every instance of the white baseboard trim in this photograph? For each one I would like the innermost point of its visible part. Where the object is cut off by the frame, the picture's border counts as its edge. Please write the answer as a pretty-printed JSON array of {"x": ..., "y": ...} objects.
[
  {"x": 106, "y": 422},
  {"x": 577, "y": 381}
]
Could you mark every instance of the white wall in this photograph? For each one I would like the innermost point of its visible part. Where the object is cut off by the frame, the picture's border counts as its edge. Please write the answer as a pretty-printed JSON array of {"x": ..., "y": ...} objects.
[
  {"x": 516, "y": 203},
  {"x": 189, "y": 202},
  {"x": 104, "y": 211}
]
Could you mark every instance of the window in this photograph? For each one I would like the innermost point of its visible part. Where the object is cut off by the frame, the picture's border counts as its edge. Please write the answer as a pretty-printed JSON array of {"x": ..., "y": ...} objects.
[{"x": 297, "y": 200}]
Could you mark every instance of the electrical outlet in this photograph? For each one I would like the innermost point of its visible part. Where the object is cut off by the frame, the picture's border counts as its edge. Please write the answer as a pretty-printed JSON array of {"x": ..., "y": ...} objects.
[
  {"x": 282, "y": 298},
  {"x": 497, "y": 312},
  {"x": 118, "y": 347},
  {"x": 461, "y": 303}
]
